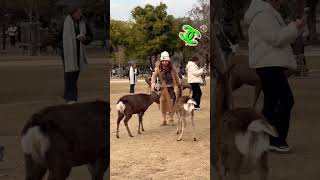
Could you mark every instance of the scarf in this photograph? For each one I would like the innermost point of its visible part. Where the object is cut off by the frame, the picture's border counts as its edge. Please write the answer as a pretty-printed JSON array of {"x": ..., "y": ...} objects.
[{"x": 70, "y": 46}]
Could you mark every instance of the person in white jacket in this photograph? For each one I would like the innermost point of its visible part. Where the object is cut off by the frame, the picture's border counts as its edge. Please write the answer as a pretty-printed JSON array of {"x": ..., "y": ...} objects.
[
  {"x": 133, "y": 72},
  {"x": 271, "y": 55},
  {"x": 195, "y": 79}
]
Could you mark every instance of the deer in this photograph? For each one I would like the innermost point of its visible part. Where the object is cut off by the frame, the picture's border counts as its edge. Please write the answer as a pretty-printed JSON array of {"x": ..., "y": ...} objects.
[
  {"x": 184, "y": 107},
  {"x": 242, "y": 74},
  {"x": 242, "y": 136},
  {"x": 135, "y": 104},
  {"x": 58, "y": 138}
]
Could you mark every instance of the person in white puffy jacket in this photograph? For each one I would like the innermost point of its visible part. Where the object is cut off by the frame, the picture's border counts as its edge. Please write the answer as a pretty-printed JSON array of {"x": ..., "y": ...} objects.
[
  {"x": 195, "y": 79},
  {"x": 271, "y": 55}
]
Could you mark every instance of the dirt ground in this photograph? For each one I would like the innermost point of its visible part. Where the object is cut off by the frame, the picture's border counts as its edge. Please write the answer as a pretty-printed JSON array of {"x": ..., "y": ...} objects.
[{"x": 155, "y": 154}]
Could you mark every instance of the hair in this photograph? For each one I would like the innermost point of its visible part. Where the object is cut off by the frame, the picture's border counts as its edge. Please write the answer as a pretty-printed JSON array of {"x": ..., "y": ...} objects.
[
  {"x": 195, "y": 59},
  {"x": 73, "y": 9}
]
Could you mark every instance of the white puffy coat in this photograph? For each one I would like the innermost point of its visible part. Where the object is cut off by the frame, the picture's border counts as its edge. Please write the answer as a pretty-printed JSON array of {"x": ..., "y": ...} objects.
[
  {"x": 194, "y": 73},
  {"x": 269, "y": 37}
]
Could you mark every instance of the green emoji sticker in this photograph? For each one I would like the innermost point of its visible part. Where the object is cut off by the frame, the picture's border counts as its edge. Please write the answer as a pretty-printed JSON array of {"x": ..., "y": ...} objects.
[{"x": 189, "y": 35}]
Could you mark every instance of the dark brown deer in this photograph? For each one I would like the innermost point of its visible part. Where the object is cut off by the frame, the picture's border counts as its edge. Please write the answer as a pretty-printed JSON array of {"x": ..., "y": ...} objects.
[
  {"x": 243, "y": 136},
  {"x": 135, "y": 104},
  {"x": 58, "y": 138}
]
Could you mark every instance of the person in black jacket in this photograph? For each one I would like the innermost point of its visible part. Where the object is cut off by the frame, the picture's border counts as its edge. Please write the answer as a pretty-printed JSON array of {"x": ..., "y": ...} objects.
[{"x": 71, "y": 40}]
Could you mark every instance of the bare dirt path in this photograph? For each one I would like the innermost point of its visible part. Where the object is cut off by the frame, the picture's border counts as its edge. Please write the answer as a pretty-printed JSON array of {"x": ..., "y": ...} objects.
[{"x": 156, "y": 154}]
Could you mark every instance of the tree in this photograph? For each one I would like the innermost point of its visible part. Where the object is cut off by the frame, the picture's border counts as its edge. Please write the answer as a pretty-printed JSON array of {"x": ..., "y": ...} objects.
[
  {"x": 156, "y": 29},
  {"x": 120, "y": 38},
  {"x": 200, "y": 16}
]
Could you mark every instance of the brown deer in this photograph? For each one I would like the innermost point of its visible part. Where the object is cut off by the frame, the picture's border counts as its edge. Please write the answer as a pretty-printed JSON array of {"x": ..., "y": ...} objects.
[
  {"x": 184, "y": 107},
  {"x": 135, "y": 104},
  {"x": 58, "y": 138},
  {"x": 242, "y": 136}
]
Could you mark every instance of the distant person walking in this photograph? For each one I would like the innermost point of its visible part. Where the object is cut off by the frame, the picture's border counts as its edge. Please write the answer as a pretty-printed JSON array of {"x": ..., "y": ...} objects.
[
  {"x": 76, "y": 34},
  {"x": 12, "y": 32},
  {"x": 133, "y": 72},
  {"x": 271, "y": 55},
  {"x": 195, "y": 79}
]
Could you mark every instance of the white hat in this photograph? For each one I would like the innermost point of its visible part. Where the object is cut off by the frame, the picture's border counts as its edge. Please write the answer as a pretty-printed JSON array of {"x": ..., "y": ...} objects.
[{"x": 164, "y": 56}]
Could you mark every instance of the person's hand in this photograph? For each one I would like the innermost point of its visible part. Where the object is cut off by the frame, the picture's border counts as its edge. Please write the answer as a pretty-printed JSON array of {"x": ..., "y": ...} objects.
[
  {"x": 300, "y": 23},
  {"x": 81, "y": 37}
]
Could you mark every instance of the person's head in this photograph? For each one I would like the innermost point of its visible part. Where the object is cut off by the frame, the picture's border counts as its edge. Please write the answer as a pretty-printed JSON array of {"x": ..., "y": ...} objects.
[
  {"x": 195, "y": 59},
  {"x": 75, "y": 13},
  {"x": 134, "y": 65},
  {"x": 276, "y": 4},
  {"x": 165, "y": 62}
]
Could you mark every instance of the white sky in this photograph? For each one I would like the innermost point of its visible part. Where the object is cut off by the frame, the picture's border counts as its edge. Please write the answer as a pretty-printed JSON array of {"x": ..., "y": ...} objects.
[{"x": 121, "y": 9}]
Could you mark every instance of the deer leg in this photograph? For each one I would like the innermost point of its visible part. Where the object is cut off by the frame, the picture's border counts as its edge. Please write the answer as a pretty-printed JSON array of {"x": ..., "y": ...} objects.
[
  {"x": 194, "y": 130},
  {"x": 182, "y": 128},
  {"x": 142, "y": 121},
  {"x": 97, "y": 169},
  {"x": 59, "y": 171},
  {"x": 120, "y": 117},
  {"x": 179, "y": 124},
  {"x": 34, "y": 171},
  {"x": 126, "y": 119},
  {"x": 264, "y": 169},
  {"x": 139, "y": 132}
]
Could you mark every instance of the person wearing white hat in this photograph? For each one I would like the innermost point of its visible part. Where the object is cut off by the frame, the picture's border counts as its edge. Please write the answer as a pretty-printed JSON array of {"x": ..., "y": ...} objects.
[{"x": 169, "y": 81}]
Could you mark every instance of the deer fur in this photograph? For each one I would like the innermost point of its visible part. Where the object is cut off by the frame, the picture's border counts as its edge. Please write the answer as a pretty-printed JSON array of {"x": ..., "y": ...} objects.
[
  {"x": 147, "y": 79},
  {"x": 243, "y": 136},
  {"x": 185, "y": 85},
  {"x": 242, "y": 74},
  {"x": 58, "y": 138},
  {"x": 134, "y": 104},
  {"x": 184, "y": 107}
]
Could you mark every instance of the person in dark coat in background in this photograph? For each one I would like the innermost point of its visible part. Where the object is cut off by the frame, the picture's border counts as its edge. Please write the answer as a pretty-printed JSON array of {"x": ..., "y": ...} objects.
[{"x": 73, "y": 37}]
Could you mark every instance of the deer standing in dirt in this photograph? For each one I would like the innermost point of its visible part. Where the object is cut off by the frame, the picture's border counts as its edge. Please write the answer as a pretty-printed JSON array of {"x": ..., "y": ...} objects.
[
  {"x": 242, "y": 136},
  {"x": 184, "y": 107},
  {"x": 135, "y": 104}
]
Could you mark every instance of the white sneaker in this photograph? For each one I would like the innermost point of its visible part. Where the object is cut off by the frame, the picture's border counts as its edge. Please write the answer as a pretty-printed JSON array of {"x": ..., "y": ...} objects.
[
  {"x": 197, "y": 109},
  {"x": 279, "y": 148},
  {"x": 71, "y": 102}
]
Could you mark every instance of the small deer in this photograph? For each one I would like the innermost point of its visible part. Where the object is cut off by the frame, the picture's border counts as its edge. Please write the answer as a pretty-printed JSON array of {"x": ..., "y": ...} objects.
[
  {"x": 135, "y": 104},
  {"x": 184, "y": 107},
  {"x": 243, "y": 136}
]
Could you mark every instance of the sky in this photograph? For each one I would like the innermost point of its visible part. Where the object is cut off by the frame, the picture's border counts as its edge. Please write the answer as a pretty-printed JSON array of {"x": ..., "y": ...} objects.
[{"x": 121, "y": 9}]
